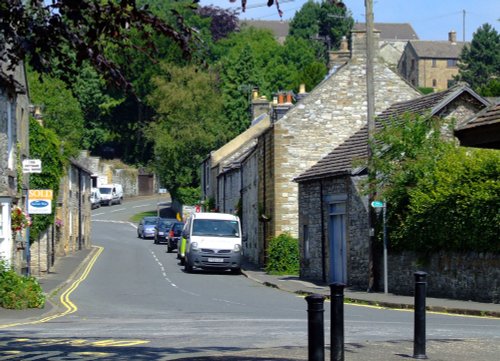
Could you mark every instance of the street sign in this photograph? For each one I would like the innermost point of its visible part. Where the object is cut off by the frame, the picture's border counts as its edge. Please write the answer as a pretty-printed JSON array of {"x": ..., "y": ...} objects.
[
  {"x": 377, "y": 204},
  {"x": 40, "y": 201},
  {"x": 32, "y": 166},
  {"x": 162, "y": 190}
]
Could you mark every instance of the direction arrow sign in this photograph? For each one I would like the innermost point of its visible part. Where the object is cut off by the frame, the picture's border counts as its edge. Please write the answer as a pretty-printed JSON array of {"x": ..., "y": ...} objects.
[{"x": 377, "y": 204}]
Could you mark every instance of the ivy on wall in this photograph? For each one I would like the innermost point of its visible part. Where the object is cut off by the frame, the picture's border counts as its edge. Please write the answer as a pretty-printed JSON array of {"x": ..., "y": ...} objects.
[{"x": 46, "y": 146}]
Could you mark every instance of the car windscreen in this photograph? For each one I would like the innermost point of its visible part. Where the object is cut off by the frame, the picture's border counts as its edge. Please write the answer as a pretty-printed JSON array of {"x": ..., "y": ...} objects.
[
  {"x": 149, "y": 222},
  {"x": 215, "y": 228}
]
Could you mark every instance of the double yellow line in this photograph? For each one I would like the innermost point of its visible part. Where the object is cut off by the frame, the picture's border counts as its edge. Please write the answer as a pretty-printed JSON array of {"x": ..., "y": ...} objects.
[{"x": 64, "y": 299}]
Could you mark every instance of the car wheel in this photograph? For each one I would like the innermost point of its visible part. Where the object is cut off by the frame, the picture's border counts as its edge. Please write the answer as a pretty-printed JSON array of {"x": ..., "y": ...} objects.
[{"x": 235, "y": 271}]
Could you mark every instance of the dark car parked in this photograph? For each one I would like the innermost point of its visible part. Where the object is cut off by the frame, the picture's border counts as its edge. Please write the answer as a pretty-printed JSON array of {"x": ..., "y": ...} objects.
[
  {"x": 174, "y": 236},
  {"x": 162, "y": 229}
]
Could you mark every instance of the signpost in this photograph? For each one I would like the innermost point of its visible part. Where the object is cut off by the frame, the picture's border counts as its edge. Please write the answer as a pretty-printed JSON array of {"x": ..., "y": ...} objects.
[
  {"x": 377, "y": 205},
  {"x": 30, "y": 166}
]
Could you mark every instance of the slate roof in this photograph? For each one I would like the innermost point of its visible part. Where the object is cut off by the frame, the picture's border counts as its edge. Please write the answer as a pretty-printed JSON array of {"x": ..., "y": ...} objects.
[
  {"x": 391, "y": 31},
  {"x": 437, "y": 49},
  {"x": 342, "y": 159},
  {"x": 482, "y": 130},
  {"x": 278, "y": 28}
]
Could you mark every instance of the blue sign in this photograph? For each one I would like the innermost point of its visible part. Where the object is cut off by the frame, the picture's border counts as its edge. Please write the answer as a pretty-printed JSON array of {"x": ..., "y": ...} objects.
[
  {"x": 377, "y": 204},
  {"x": 39, "y": 204}
]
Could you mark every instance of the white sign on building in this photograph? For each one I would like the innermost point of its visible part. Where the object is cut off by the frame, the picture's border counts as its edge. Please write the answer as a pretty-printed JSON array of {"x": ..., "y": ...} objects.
[{"x": 40, "y": 201}]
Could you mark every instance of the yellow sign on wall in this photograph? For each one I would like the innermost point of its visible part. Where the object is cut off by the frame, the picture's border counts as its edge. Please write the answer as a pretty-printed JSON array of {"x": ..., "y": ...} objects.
[{"x": 40, "y": 201}]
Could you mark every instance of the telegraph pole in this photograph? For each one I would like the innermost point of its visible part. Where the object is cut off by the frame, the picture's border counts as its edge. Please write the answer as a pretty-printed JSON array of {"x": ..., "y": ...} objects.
[{"x": 370, "y": 101}]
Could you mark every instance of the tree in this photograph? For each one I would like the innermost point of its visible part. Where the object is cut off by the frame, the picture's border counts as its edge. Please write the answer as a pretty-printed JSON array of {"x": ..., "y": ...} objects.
[
  {"x": 328, "y": 21},
  {"x": 61, "y": 111},
  {"x": 188, "y": 125},
  {"x": 479, "y": 63},
  {"x": 440, "y": 196},
  {"x": 42, "y": 33}
]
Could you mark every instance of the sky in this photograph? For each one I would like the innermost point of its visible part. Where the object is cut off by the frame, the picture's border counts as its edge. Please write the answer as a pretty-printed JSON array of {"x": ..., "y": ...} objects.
[{"x": 431, "y": 19}]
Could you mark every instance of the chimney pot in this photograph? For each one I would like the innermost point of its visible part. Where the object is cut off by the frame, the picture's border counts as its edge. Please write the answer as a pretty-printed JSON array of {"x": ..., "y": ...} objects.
[{"x": 302, "y": 88}]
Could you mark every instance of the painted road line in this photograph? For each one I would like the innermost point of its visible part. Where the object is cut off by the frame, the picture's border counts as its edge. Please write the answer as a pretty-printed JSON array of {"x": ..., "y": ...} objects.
[{"x": 64, "y": 299}]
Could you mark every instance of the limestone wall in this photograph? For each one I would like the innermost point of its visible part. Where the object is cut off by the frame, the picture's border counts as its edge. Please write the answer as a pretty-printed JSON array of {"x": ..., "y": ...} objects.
[{"x": 464, "y": 276}]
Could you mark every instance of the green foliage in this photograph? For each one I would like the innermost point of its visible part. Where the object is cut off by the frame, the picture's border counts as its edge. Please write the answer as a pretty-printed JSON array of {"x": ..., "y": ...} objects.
[
  {"x": 189, "y": 124},
  {"x": 490, "y": 89},
  {"x": 188, "y": 195},
  {"x": 45, "y": 145},
  {"x": 322, "y": 20},
  {"x": 426, "y": 90},
  {"x": 19, "y": 292},
  {"x": 283, "y": 255},
  {"x": 480, "y": 61},
  {"x": 440, "y": 196},
  {"x": 61, "y": 110}
]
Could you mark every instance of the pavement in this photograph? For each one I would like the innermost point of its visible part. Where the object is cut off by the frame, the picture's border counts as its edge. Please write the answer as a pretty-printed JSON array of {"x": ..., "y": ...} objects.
[{"x": 67, "y": 270}]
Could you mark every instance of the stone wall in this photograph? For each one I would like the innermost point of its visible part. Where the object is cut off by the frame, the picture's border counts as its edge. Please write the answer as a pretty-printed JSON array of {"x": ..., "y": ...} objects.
[
  {"x": 464, "y": 276},
  {"x": 315, "y": 198},
  {"x": 230, "y": 184},
  {"x": 249, "y": 203}
]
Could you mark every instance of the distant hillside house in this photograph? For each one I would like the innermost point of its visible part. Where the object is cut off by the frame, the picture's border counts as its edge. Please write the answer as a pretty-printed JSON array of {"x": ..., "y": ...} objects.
[
  {"x": 431, "y": 64},
  {"x": 393, "y": 40},
  {"x": 277, "y": 27}
]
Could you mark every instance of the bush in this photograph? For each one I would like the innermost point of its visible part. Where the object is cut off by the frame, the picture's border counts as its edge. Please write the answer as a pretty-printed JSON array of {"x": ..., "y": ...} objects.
[
  {"x": 19, "y": 292},
  {"x": 283, "y": 253}
]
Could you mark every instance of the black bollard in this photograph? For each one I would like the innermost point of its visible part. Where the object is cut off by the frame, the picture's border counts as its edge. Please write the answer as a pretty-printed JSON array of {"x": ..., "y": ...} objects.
[
  {"x": 315, "y": 327},
  {"x": 419, "y": 327},
  {"x": 337, "y": 322}
]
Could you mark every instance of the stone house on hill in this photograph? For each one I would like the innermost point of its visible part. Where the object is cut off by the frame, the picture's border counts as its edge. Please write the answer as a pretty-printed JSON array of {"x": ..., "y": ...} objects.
[
  {"x": 431, "y": 64},
  {"x": 393, "y": 39},
  {"x": 333, "y": 214},
  {"x": 325, "y": 118}
]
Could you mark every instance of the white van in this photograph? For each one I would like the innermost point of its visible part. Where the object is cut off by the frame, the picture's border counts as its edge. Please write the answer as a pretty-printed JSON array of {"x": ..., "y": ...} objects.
[
  {"x": 212, "y": 241},
  {"x": 111, "y": 194},
  {"x": 95, "y": 198}
]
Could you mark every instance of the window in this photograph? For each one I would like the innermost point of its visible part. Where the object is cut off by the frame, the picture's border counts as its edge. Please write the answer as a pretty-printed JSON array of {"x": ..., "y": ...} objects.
[
  {"x": 452, "y": 63},
  {"x": 412, "y": 64},
  {"x": 434, "y": 63},
  {"x": 306, "y": 241},
  {"x": 10, "y": 137},
  {"x": 434, "y": 83}
]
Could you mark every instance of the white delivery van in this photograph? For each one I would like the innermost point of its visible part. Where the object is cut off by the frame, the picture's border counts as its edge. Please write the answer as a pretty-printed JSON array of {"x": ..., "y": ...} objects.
[
  {"x": 111, "y": 194},
  {"x": 212, "y": 241},
  {"x": 95, "y": 198}
]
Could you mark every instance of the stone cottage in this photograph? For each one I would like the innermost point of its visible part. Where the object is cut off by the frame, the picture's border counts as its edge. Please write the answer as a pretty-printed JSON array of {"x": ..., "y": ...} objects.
[
  {"x": 333, "y": 214},
  {"x": 14, "y": 147},
  {"x": 297, "y": 139},
  {"x": 431, "y": 64}
]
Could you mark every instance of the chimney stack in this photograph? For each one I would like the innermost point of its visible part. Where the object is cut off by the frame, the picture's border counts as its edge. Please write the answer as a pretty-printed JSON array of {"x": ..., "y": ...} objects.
[
  {"x": 260, "y": 105},
  {"x": 452, "y": 37}
]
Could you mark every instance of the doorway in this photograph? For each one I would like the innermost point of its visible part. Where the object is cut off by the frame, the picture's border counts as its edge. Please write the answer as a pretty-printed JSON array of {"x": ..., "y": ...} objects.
[{"x": 337, "y": 242}]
